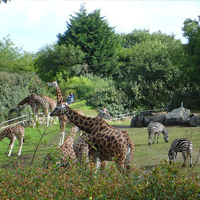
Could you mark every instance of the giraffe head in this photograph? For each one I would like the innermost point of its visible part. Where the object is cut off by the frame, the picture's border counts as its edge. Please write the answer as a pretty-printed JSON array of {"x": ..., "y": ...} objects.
[
  {"x": 59, "y": 110},
  {"x": 52, "y": 84},
  {"x": 104, "y": 113}
]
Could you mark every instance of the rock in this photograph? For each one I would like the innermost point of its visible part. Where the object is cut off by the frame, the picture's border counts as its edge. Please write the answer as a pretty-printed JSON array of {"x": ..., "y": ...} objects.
[{"x": 195, "y": 121}]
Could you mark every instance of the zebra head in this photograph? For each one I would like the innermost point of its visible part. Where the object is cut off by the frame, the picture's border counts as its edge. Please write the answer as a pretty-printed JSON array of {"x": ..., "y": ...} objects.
[
  {"x": 171, "y": 155},
  {"x": 165, "y": 134},
  {"x": 166, "y": 138}
]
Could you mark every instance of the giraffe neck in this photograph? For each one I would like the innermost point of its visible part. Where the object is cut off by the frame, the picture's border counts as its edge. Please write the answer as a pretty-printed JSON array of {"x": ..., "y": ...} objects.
[
  {"x": 79, "y": 120},
  {"x": 59, "y": 95}
]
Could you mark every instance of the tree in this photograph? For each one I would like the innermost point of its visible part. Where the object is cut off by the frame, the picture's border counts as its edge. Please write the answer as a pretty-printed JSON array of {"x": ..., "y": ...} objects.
[
  {"x": 96, "y": 39},
  {"x": 55, "y": 62},
  {"x": 192, "y": 65},
  {"x": 13, "y": 59},
  {"x": 149, "y": 69}
]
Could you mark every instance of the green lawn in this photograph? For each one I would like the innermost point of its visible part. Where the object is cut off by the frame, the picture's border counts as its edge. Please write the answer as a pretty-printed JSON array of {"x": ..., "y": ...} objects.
[{"x": 145, "y": 156}]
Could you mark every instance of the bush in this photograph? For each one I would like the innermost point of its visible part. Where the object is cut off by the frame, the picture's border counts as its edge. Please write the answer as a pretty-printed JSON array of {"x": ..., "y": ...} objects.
[
  {"x": 82, "y": 86},
  {"x": 189, "y": 97},
  {"x": 115, "y": 100},
  {"x": 79, "y": 182},
  {"x": 15, "y": 87}
]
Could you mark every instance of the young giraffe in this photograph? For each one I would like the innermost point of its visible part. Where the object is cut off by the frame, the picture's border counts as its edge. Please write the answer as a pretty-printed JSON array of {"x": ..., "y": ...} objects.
[
  {"x": 109, "y": 142},
  {"x": 36, "y": 102},
  {"x": 62, "y": 118},
  {"x": 67, "y": 151},
  {"x": 12, "y": 133}
]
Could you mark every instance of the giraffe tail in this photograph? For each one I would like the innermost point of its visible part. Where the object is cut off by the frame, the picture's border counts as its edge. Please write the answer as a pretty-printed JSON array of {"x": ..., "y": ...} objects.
[{"x": 128, "y": 156}]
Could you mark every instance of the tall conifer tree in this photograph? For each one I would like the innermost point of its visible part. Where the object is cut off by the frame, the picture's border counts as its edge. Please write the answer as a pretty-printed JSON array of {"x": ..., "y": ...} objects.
[{"x": 96, "y": 39}]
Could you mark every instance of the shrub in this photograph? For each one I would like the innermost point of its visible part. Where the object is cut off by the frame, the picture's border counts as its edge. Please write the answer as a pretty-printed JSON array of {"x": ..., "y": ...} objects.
[
  {"x": 80, "y": 182},
  {"x": 115, "y": 100},
  {"x": 15, "y": 87}
]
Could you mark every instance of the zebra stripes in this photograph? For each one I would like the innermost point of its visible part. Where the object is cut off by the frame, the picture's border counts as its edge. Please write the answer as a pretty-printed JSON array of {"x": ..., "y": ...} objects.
[
  {"x": 156, "y": 128},
  {"x": 183, "y": 145}
]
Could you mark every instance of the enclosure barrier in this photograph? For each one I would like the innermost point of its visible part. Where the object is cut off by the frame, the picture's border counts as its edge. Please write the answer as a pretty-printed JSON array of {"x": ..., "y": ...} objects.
[{"x": 26, "y": 118}]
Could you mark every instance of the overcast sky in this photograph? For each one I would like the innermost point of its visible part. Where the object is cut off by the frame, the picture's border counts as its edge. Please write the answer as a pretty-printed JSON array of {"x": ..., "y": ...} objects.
[{"x": 33, "y": 24}]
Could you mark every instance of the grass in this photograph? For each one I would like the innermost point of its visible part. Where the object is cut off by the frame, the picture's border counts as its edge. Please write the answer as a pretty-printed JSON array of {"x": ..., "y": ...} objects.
[{"x": 145, "y": 156}]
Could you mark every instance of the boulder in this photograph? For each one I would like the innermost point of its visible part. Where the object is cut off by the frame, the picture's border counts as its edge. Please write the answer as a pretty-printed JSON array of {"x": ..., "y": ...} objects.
[
  {"x": 178, "y": 113},
  {"x": 195, "y": 121}
]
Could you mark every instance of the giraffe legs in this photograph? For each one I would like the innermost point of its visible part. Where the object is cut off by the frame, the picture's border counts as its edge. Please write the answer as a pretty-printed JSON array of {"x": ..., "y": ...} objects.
[
  {"x": 11, "y": 145},
  {"x": 20, "y": 145},
  {"x": 62, "y": 132}
]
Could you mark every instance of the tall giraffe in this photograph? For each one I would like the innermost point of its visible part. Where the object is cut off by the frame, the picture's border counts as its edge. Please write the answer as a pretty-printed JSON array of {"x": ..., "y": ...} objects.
[
  {"x": 36, "y": 102},
  {"x": 62, "y": 118},
  {"x": 108, "y": 141},
  {"x": 81, "y": 146},
  {"x": 80, "y": 149},
  {"x": 12, "y": 133}
]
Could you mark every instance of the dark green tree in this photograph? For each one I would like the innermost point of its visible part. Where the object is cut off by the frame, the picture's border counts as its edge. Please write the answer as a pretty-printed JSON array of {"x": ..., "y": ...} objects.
[
  {"x": 192, "y": 65},
  {"x": 149, "y": 68},
  {"x": 55, "y": 62},
  {"x": 96, "y": 39}
]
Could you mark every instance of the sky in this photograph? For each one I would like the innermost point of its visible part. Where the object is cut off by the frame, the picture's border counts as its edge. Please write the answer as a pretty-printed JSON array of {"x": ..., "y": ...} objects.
[{"x": 34, "y": 24}]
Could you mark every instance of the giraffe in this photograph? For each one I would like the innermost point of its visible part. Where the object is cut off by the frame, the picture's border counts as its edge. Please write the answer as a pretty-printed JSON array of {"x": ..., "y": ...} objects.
[
  {"x": 81, "y": 146},
  {"x": 36, "y": 102},
  {"x": 12, "y": 133},
  {"x": 62, "y": 118},
  {"x": 108, "y": 141},
  {"x": 52, "y": 103},
  {"x": 67, "y": 151},
  {"x": 80, "y": 149}
]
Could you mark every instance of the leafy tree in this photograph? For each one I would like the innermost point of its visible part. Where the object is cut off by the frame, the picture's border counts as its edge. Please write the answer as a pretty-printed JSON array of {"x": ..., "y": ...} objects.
[
  {"x": 149, "y": 69},
  {"x": 96, "y": 39},
  {"x": 55, "y": 62},
  {"x": 13, "y": 59},
  {"x": 192, "y": 65},
  {"x": 15, "y": 87},
  {"x": 115, "y": 100}
]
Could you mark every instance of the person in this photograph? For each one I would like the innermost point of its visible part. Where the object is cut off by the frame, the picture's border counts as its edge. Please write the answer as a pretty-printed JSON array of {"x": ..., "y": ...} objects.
[
  {"x": 69, "y": 99},
  {"x": 72, "y": 97}
]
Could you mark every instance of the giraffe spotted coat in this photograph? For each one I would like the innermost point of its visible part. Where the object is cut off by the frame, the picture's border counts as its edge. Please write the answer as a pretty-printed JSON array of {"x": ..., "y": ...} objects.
[
  {"x": 12, "y": 133},
  {"x": 108, "y": 141}
]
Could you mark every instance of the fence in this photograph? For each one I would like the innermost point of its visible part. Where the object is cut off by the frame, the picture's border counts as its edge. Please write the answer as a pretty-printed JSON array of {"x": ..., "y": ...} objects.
[{"x": 26, "y": 118}]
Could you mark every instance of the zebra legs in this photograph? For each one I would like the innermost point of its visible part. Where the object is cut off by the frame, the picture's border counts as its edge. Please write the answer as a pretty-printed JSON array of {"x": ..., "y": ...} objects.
[{"x": 184, "y": 158}]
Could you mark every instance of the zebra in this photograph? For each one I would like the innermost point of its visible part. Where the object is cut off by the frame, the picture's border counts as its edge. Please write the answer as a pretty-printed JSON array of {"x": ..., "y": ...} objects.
[
  {"x": 156, "y": 128},
  {"x": 180, "y": 145}
]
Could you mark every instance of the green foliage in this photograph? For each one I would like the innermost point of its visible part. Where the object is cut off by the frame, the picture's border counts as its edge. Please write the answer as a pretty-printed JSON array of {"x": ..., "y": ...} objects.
[
  {"x": 54, "y": 62},
  {"x": 82, "y": 86},
  {"x": 189, "y": 97},
  {"x": 96, "y": 39},
  {"x": 191, "y": 66},
  {"x": 149, "y": 69},
  {"x": 13, "y": 59},
  {"x": 15, "y": 87},
  {"x": 82, "y": 183},
  {"x": 115, "y": 100}
]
